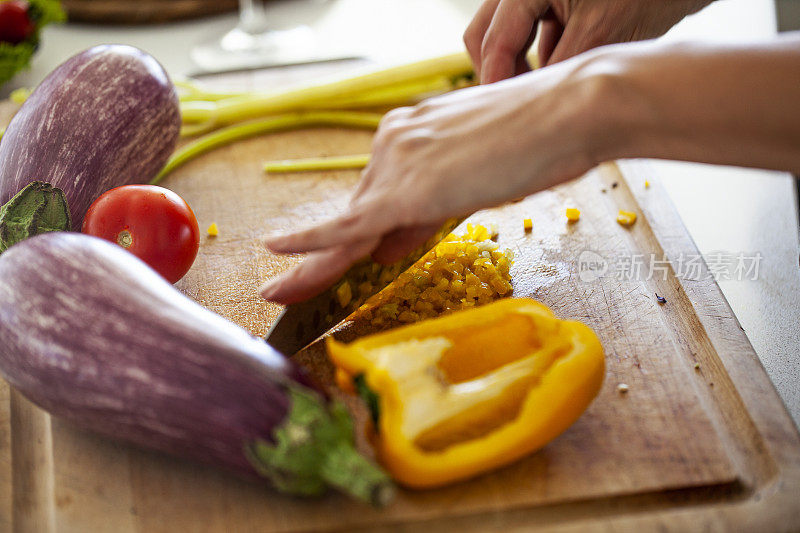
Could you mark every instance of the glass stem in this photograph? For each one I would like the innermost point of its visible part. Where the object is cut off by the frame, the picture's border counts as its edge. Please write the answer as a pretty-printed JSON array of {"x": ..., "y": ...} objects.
[{"x": 252, "y": 17}]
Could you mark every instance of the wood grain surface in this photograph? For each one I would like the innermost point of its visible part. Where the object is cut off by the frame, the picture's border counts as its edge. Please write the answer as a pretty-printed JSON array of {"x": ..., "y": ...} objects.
[{"x": 709, "y": 448}]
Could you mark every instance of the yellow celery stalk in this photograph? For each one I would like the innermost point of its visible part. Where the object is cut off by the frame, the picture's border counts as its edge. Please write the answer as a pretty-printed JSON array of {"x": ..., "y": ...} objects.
[
  {"x": 272, "y": 124},
  {"x": 318, "y": 163}
]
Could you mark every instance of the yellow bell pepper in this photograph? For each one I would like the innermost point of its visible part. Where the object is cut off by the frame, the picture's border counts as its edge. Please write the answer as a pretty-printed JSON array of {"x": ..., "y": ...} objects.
[{"x": 462, "y": 394}]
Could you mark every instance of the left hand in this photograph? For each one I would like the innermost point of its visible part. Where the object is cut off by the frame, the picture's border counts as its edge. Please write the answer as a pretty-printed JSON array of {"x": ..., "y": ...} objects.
[{"x": 501, "y": 32}]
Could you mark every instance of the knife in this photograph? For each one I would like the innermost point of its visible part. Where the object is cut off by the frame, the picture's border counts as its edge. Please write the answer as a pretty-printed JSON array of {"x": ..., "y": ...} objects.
[{"x": 302, "y": 323}]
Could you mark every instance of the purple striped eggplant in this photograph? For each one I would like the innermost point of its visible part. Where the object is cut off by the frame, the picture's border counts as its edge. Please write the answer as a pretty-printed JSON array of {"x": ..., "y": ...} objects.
[
  {"x": 106, "y": 117},
  {"x": 90, "y": 333}
]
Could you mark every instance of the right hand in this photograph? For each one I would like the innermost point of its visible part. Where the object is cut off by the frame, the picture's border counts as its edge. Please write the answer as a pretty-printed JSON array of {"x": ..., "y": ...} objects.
[
  {"x": 502, "y": 31},
  {"x": 450, "y": 156}
]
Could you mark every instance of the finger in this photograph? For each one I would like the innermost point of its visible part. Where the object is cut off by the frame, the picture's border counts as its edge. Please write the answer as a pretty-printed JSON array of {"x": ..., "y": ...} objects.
[
  {"x": 522, "y": 66},
  {"x": 511, "y": 28},
  {"x": 316, "y": 273},
  {"x": 473, "y": 36},
  {"x": 551, "y": 32},
  {"x": 577, "y": 38},
  {"x": 367, "y": 177},
  {"x": 365, "y": 220},
  {"x": 400, "y": 242}
]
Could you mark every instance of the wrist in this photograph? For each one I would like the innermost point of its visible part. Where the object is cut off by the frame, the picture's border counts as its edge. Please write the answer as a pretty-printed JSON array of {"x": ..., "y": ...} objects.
[{"x": 617, "y": 109}]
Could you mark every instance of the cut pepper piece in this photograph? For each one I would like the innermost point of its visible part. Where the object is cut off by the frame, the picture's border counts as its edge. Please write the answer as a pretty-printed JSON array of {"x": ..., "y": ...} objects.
[
  {"x": 626, "y": 218},
  {"x": 573, "y": 214},
  {"x": 475, "y": 390}
]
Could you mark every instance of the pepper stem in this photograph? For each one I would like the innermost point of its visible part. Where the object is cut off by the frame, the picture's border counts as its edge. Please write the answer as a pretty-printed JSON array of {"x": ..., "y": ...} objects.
[{"x": 314, "y": 449}]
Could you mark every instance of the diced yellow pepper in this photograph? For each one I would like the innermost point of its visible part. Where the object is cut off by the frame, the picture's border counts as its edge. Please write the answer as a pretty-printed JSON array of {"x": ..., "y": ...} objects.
[
  {"x": 344, "y": 294},
  {"x": 365, "y": 288},
  {"x": 573, "y": 214},
  {"x": 437, "y": 283},
  {"x": 527, "y": 224},
  {"x": 626, "y": 218},
  {"x": 408, "y": 317},
  {"x": 213, "y": 230}
]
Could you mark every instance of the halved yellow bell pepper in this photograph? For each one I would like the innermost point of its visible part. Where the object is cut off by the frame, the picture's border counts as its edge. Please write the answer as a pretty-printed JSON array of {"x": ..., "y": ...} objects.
[{"x": 474, "y": 390}]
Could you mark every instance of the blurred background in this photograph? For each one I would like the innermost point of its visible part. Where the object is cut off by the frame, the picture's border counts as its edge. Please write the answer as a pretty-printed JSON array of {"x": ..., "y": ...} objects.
[{"x": 382, "y": 30}]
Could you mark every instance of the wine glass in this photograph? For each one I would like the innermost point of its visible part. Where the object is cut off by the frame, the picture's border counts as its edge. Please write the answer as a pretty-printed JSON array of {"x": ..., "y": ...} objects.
[{"x": 253, "y": 44}]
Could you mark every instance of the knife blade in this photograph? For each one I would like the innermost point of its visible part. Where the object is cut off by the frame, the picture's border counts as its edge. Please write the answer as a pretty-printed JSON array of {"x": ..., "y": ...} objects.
[{"x": 302, "y": 323}]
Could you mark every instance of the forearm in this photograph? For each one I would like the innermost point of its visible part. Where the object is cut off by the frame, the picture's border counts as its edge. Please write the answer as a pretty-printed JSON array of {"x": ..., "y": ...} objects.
[
  {"x": 478, "y": 147},
  {"x": 722, "y": 104}
]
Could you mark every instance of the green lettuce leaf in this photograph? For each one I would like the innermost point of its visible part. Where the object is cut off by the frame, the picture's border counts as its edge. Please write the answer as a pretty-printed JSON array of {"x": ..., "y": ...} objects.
[{"x": 16, "y": 57}]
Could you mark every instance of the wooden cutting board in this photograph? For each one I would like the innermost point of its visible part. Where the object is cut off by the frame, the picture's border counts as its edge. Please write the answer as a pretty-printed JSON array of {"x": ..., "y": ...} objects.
[{"x": 708, "y": 447}]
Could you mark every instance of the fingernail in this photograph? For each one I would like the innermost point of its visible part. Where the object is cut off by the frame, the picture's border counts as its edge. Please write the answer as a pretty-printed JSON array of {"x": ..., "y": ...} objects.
[
  {"x": 267, "y": 290},
  {"x": 273, "y": 241}
]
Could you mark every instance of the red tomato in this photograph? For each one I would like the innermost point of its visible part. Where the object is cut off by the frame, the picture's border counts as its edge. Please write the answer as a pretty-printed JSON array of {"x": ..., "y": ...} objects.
[
  {"x": 153, "y": 223},
  {"x": 15, "y": 24}
]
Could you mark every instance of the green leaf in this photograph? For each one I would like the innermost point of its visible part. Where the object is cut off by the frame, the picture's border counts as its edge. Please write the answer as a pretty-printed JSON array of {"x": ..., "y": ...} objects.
[
  {"x": 314, "y": 449},
  {"x": 43, "y": 12},
  {"x": 38, "y": 208},
  {"x": 16, "y": 57},
  {"x": 13, "y": 58}
]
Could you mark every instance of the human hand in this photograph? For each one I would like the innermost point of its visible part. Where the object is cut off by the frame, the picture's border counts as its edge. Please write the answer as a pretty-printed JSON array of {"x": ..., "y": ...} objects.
[
  {"x": 502, "y": 31},
  {"x": 450, "y": 156}
]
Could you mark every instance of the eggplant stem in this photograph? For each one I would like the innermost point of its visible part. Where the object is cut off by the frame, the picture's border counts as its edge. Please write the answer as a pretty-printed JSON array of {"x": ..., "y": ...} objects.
[
  {"x": 314, "y": 449},
  {"x": 351, "y": 472},
  {"x": 37, "y": 208}
]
